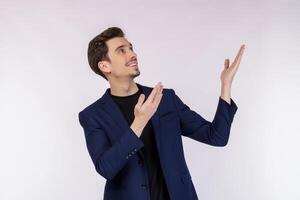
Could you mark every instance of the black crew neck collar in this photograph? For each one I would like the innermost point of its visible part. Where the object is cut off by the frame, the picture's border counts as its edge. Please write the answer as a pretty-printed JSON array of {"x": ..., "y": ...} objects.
[{"x": 139, "y": 89}]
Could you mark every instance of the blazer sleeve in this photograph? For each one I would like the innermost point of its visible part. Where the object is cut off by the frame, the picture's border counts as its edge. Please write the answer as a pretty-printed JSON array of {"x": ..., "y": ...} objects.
[
  {"x": 194, "y": 126},
  {"x": 108, "y": 158}
]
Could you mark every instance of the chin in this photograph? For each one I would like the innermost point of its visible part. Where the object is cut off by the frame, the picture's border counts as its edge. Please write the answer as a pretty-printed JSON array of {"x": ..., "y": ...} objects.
[{"x": 135, "y": 75}]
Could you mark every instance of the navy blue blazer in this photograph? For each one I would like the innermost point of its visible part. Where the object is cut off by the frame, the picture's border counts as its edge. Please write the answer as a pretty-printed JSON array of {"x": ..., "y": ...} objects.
[{"x": 113, "y": 146}]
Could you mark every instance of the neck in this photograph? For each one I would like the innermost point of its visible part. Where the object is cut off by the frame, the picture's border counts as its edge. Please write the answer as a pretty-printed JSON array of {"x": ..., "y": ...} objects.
[{"x": 123, "y": 88}]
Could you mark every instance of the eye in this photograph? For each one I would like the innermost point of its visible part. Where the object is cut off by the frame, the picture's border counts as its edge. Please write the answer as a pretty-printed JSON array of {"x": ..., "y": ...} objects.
[{"x": 122, "y": 50}]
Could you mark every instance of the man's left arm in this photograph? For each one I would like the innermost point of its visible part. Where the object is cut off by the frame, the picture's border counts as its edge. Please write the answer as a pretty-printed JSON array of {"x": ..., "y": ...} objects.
[
  {"x": 194, "y": 126},
  {"x": 215, "y": 133}
]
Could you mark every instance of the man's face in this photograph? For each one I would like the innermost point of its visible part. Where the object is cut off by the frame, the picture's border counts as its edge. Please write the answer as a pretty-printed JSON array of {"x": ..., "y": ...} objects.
[{"x": 123, "y": 59}]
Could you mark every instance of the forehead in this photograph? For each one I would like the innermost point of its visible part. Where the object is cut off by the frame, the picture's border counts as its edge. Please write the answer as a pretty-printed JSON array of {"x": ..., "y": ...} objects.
[{"x": 115, "y": 42}]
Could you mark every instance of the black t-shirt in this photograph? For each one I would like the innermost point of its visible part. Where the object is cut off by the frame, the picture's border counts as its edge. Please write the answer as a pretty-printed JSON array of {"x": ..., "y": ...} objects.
[{"x": 158, "y": 189}]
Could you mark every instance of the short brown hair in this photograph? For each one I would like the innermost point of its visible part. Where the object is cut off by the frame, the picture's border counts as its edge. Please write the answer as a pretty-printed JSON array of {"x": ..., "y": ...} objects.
[{"x": 97, "y": 49}]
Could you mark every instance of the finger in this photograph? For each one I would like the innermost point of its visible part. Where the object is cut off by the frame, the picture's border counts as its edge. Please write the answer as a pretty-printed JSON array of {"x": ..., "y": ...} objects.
[
  {"x": 153, "y": 92},
  {"x": 235, "y": 65},
  {"x": 157, "y": 100},
  {"x": 140, "y": 100},
  {"x": 241, "y": 53},
  {"x": 159, "y": 91},
  {"x": 156, "y": 92},
  {"x": 226, "y": 63},
  {"x": 239, "y": 56}
]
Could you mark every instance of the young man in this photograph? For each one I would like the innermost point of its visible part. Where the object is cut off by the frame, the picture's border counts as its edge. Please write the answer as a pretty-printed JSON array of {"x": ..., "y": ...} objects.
[{"x": 133, "y": 132}]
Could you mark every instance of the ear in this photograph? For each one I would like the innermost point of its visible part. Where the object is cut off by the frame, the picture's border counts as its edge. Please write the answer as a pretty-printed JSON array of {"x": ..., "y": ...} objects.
[{"x": 104, "y": 66}]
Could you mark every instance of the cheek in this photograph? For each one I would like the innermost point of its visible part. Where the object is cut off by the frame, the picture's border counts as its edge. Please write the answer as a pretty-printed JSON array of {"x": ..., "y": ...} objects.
[
  {"x": 119, "y": 61},
  {"x": 118, "y": 64},
  {"x": 119, "y": 67}
]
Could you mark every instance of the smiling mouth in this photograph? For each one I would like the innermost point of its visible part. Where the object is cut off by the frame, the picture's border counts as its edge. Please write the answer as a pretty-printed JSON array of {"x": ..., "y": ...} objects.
[{"x": 132, "y": 64}]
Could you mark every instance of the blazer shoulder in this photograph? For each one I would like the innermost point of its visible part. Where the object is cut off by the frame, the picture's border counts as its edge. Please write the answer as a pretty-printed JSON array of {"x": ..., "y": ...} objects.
[
  {"x": 90, "y": 109},
  {"x": 168, "y": 91}
]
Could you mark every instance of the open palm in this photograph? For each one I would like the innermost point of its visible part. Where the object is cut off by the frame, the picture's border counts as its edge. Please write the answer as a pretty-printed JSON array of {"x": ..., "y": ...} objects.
[{"x": 230, "y": 70}]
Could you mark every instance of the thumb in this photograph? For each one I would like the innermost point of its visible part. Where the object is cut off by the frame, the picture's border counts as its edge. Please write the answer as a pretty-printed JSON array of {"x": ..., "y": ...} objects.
[
  {"x": 140, "y": 100},
  {"x": 226, "y": 64}
]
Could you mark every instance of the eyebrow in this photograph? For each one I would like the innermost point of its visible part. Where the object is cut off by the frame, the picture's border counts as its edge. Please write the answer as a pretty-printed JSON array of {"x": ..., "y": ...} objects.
[{"x": 122, "y": 46}]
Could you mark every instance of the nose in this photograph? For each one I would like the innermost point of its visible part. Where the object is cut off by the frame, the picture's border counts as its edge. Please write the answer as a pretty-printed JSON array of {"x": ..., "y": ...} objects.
[{"x": 133, "y": 55}]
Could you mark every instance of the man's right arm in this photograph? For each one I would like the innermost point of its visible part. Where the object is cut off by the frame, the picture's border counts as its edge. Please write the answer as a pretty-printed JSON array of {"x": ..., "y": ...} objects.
[{"x": 109, "y": 158}]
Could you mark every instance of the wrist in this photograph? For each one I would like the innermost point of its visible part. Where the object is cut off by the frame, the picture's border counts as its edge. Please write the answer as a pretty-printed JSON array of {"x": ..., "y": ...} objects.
[
  {"x": 137, "y": 126},
  {"x": 226, "y": 92}
]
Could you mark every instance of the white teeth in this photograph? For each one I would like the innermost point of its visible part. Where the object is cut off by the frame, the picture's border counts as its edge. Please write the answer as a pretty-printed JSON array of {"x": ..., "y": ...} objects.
[{"x": 132, "y": 64}]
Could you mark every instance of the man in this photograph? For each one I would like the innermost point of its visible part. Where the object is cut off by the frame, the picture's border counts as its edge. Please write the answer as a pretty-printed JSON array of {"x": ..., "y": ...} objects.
[{"x": 133, "y": 132}]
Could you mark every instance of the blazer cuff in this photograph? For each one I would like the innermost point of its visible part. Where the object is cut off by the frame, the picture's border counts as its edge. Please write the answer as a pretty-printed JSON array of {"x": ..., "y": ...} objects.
[
  {"x": 228, "y": 109},
  {"x": 130, "y": 143}
]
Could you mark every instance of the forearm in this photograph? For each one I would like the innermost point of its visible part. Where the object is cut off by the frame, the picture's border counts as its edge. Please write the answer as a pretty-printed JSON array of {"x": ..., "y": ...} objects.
[
  {"x": 226, "y": 92},
  {"x": 109, "y": 158},
  {"x": 193, "y": 125},
  {"x": 114, "y": 158}
]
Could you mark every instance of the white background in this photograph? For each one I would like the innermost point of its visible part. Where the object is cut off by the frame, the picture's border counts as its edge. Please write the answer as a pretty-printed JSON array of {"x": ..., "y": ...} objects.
[{"x": 45, "y": 81}]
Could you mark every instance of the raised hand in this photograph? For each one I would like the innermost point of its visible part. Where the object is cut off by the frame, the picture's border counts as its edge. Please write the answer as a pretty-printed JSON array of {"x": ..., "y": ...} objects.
[
  {"x": 143, "y": 111},
  {"x": 230, "y": 70},
  {"x": 148, "y": 108}
]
